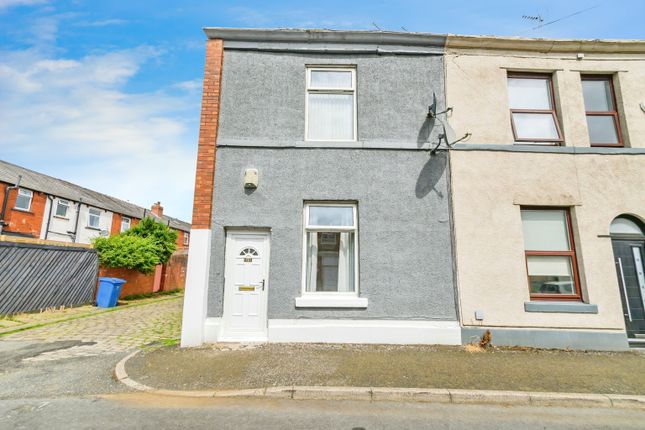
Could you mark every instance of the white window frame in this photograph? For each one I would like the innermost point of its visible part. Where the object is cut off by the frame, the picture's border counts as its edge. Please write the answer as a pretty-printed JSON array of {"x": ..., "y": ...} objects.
[
  {"x": 309, "y": 90},
  {"x": 328, "y": 298},
  {"x": 186, "y": 238},
  {"x": 24, "y": 193},
  {"x": 123, "y": 218},
  {"x": 62, "y": 202},
  {"x": 89, "y": 217}
]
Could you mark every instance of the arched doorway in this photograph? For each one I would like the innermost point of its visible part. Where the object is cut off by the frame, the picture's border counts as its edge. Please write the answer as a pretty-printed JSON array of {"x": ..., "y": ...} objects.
[{"x": 628, "y": 241}]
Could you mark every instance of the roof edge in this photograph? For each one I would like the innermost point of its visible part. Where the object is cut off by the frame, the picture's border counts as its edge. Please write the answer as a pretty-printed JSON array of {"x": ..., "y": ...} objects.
[
  {"x": 448, "y": 41},
  {"x": 293, "y": 35},
  {"x": 616, "y": 46}
]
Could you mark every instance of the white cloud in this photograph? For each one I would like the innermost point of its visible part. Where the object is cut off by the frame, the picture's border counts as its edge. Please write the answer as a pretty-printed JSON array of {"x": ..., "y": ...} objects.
[
  {"x": 299, "y": 18},
  {"x": 193, "y": 85},
  {"x": 102, "y": 23},
  {"x": 6, "y": 4},
  {"x": 75, "y": 118}
]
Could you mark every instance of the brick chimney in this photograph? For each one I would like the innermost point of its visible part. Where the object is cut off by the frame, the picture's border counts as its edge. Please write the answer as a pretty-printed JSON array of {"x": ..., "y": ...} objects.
[{"x": 157, "y": 209}]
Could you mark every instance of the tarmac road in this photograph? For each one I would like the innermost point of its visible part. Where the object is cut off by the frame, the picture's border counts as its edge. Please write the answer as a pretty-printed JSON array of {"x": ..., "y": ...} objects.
[{"x": 143, "y": 411}]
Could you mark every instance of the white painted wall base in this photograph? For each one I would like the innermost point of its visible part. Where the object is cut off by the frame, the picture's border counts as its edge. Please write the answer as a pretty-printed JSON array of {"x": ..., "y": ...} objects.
[
  {"x": 352, "y": 331},
  {"x": 195, "y": 296},
  {"x": 212, "y": 330}
]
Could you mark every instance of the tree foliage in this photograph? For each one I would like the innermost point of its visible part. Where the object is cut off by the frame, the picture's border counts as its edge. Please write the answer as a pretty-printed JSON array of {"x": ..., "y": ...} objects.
[
  {"x": 141, "y": 247},
  {"x": 130, "y": 252},
  {"x": 163, "y": 238}
]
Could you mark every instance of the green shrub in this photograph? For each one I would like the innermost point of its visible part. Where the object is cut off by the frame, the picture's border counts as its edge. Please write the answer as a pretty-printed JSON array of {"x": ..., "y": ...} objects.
[
  {"x": 163, "y": 238},
  {"x": 130, "y": 252},
  {"x": 141, "y": 248}
]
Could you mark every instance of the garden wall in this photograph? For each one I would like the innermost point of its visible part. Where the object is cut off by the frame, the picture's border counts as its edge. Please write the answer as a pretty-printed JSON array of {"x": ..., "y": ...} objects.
[{"x": 171, "y": 276}]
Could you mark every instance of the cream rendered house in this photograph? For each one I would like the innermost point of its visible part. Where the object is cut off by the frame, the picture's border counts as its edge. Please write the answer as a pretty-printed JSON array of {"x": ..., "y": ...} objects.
[{"x": 548, "y": 194}]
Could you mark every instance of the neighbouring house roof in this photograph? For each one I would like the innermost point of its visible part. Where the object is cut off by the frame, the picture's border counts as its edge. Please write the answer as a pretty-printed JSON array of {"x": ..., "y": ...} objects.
[
  {"x": 398, "y": 42},
  {"x": 57, "y": 187}
]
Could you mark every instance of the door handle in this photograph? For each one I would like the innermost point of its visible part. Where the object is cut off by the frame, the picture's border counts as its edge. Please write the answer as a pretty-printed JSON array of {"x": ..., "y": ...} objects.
[
  {"x": 263, "y": 285},
  {"x": 622, "y": 278}
]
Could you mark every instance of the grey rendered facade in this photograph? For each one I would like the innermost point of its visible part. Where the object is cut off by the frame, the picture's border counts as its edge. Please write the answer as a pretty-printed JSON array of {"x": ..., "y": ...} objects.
[{"x": 400, "y": 189}]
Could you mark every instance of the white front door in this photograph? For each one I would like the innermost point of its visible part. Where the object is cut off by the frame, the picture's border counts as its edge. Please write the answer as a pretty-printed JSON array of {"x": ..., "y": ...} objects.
[{"x": 246, "y": 286}]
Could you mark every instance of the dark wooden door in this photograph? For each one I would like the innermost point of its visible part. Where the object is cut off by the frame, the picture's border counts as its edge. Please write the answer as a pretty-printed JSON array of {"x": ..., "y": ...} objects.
[{"x": 629, "y": 256}]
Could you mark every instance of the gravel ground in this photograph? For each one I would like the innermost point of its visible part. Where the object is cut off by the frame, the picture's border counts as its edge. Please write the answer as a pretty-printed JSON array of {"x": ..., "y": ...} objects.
[{"x": 221, "y": 366}]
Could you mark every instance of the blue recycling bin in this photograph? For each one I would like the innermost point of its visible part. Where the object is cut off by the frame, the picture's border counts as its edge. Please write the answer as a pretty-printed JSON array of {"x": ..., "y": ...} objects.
[{"x": 109, "y": 290}]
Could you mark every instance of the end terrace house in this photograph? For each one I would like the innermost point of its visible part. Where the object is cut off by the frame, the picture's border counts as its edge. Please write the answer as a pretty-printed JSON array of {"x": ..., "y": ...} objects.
[
  {"x": 549, "y": 192},
  {"x": 320, "y": 214}
]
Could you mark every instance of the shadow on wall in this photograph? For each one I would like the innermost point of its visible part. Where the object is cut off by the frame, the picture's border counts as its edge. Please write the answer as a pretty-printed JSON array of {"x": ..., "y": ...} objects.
[
  {"x": 430, "y": 174},
  {"x": 428, "y": 125}
]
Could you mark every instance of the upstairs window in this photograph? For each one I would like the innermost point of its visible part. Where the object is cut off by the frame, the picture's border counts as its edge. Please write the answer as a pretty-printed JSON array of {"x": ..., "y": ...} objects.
[
  {"x": 600, "y": 107},
  {"x": 186, "y": 239},
  {"x": 331, "y": 104},
  {"x": 125, "y": 223},
  {"x": 62, "y": 206},
  {"x": 550, "y": 254},
  {"x": 331, "y": 248},
  {"x": 94, "y": 218},
  {"x": 23, "y": 200},
  {"x": 533, "y": 114}
]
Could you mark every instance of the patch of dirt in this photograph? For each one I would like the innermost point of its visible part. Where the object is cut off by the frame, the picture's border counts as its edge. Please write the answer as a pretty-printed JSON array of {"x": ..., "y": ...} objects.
[{"x": 223, "y": 367}]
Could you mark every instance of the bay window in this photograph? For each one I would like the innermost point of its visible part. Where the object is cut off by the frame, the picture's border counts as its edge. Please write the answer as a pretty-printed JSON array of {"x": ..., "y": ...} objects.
[{"x": 550, "y": 254}]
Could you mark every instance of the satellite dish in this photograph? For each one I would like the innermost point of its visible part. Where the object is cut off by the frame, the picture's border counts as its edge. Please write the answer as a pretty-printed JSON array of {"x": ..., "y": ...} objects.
[
  {"x": 449, "y": 137},
  {"x": 432, "y": 109}
]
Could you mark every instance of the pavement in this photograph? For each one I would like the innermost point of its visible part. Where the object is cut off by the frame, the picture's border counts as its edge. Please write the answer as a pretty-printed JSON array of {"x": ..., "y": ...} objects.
[{"x": 234, "y": 367}]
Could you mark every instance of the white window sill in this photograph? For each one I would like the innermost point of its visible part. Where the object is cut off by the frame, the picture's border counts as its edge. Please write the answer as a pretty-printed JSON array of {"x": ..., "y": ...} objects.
[{"x": 331, "y": 302}]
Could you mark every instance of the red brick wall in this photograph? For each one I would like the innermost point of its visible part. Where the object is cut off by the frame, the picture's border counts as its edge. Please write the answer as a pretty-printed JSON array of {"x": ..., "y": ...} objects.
[
  {"x": 202, "y": 203},
  {"x": 180, "y": 239},
  {"x": 174, "y": 272},
  {"x": 116, "y": 223},
  {"x": 136, "y": 283},
  {"x": 173, "y": 276},
  {"x": 23, "y": 222}
]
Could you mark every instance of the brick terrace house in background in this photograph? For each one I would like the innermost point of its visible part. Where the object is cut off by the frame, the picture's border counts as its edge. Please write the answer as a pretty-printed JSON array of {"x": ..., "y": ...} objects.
[
  {"x": 48, "y": 208},
  {"x": 323, "y": 214}
]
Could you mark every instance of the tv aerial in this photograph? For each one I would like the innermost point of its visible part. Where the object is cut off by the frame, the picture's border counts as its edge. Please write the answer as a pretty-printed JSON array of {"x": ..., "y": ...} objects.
[{"x": 449, "y": 137}]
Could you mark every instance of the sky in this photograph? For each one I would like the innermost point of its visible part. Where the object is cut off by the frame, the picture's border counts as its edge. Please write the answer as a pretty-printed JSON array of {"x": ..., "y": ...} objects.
[{"x": 106, "y": 94}]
